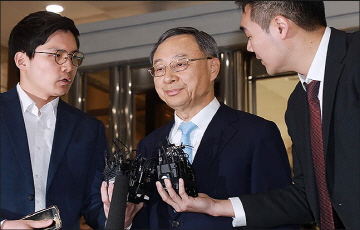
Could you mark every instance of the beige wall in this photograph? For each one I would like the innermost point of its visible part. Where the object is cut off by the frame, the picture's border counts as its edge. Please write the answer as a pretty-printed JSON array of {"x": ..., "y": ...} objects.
[{"x": 4, "y": 68}]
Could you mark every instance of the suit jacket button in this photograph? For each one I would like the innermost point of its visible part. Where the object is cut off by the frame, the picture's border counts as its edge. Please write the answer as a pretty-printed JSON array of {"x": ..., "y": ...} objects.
[
  {"x": 31, "y": 197},
  {"x": 175, "y": 224}
]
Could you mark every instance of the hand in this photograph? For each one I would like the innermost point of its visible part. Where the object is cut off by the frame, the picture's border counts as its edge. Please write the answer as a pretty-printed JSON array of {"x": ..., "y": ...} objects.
[
  {"x": 131, "y": 208},
  {"x": 202, "y": 204},
  {"x": 106, "y": 195},
  {"x": 26, "y": 224}
]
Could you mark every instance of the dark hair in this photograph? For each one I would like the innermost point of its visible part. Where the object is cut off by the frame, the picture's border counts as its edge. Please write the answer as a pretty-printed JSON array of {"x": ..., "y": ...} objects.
[
  {"x": 35, "y": 29},
  {"x": 205, "y": 41},
  {"x": 308, "y": 15}
]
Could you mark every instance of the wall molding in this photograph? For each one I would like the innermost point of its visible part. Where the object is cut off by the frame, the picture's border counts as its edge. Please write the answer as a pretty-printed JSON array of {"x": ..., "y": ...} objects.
[{"x": 126, "y": 39}]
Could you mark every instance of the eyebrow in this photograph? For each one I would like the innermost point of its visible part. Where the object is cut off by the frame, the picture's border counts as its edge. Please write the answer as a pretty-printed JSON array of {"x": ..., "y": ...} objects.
[
  {"x": 70, "y": 52},
  {"x": 56, "y": 49},
  {"x": 176, "y": 56},
  {"x": 156, "y": 61}
]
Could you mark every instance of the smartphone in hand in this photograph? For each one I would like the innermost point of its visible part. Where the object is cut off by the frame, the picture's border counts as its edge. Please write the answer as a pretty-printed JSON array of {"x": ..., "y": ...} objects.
[{"x": 49, "y": 213}]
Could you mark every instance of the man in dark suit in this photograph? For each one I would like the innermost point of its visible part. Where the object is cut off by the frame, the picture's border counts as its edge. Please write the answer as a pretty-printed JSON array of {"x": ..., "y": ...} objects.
[
  {"x": 233, "y": 152},
  {"x": 295, "y": 37},
  {"x": 51, "y": 152}
]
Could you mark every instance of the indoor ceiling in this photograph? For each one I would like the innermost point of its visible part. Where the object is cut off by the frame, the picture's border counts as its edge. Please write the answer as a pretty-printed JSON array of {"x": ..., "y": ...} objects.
[{"x": 84, "y": 11}]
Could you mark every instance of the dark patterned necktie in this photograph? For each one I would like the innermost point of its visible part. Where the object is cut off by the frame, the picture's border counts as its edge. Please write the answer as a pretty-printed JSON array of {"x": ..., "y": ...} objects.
[{"x": 317, "y": 149}]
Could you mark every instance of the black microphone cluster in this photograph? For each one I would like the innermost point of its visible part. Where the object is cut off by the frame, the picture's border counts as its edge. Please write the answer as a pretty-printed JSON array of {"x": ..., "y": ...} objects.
[
  {"x": 134, "y": 177},
  {"x": 139, "y": 171},
  {"x": 171, "y": 162}
]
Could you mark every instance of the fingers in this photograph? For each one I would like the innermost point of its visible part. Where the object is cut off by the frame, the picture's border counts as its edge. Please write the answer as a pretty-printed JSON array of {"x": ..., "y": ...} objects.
[
  {"x": 110, "y": 190},
  {"x": 182, "y": 191},
  {"x": 103, "y": 191},
  {"x": 106, "y": 195},
  {"x": 165, "y": 195},
  {"x": 40, "y": 223},
  {"x": 131, "y": 210},
  {"x": 26, "y": 224},
  {"x": 173, "y": 194},
  {"x": 170, "y": 196},
  {"x": 177, "y": 197}
]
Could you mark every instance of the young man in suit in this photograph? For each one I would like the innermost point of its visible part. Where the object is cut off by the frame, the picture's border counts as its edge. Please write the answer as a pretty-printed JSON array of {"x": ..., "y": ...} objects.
[
  {"x": 51, "y": 152},
  {"x": 233, "y": 152},
  {"x": 293, "y": 36}
]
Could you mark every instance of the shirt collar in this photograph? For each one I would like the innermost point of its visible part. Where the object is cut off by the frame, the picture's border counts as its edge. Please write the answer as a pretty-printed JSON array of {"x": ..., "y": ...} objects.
[
  {"x": 317, "y": 68},
  {"x": 28, "y": 104},
  {"x": 202, "y": 118}
]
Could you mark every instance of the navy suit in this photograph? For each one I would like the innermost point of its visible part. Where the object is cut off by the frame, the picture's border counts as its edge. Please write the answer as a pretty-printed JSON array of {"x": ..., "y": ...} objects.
[
  {"x": 239, "y": 153},
  {"x": 75, "y": 171},
  {"x": 341, "y": 136}
]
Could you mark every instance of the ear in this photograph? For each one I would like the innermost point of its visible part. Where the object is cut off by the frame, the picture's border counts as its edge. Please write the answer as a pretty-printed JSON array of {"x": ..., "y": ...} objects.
[
  {"x": 20, "y": 59},
  {"x": 282, "y": 26},
  {"x": 214, "y": 68}
]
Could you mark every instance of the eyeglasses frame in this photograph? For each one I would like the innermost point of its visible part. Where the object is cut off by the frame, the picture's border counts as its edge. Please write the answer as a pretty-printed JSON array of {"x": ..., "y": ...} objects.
[
  {"x": 187, "y": 60},
  {"x": 71, "y": 58}
]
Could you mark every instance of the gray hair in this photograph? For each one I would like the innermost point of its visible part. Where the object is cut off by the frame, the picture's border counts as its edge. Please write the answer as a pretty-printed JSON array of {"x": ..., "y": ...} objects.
[{"x": 205, "y": 41}]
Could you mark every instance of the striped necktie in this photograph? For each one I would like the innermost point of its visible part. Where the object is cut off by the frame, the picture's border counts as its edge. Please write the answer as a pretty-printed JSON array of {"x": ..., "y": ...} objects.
[{"x": 317, "y": 149}]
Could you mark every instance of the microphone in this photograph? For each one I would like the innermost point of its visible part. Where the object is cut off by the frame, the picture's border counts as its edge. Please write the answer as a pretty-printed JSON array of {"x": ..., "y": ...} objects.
[{"x": 116, "y": 217}]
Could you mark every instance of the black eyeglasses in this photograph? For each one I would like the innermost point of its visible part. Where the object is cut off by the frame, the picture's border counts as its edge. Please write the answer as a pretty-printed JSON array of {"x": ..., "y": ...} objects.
[
  {"x": 176, "y": 65},
  {"x": 61, "y": 57}
]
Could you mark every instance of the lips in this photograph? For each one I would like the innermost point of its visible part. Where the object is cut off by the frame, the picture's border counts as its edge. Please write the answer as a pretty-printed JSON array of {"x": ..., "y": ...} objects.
[
  {"x": 172, "y": 92},
  {"x": 65, "y": 81}
]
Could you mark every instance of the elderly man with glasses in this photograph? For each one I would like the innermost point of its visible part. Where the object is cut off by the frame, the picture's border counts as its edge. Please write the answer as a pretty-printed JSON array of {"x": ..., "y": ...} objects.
[
  {"x": 233, "y": 152},
  {"x": 51, "y": 153}
]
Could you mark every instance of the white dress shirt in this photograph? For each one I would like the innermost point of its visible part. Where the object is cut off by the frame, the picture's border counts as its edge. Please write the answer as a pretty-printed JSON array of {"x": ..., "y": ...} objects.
[
  {"x": 317, "y": 68},
  {"x": 40, "y": 127},
  {"x": 316, "y": 72},
  {"x": 201, "y": 119}
]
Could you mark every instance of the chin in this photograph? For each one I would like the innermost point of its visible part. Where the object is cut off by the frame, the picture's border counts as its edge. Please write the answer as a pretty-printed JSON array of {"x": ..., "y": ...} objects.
[
  {"x": 174, "y": 104},
  {"x": 62, "y": 93},
  {"x": 271, "y": 72}
]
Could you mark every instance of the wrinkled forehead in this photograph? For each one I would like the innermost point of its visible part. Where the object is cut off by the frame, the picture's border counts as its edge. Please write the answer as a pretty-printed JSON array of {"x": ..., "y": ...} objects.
[{"x": 176, "y": 47}]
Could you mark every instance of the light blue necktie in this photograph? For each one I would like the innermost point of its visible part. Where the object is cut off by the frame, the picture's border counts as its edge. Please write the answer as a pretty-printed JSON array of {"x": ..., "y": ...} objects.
[{"x": 186, "y": 129}]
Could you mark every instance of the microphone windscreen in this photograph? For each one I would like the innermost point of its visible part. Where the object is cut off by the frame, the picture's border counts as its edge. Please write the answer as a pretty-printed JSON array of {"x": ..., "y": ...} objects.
[{"x": 116, "y": 217}]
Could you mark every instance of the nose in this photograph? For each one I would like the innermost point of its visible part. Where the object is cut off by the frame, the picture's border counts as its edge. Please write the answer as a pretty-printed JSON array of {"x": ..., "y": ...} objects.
[
  {"x": 249, "y": 46},
  {"x": 67, "y": 66},
  {"x": 170, "y": 76}
]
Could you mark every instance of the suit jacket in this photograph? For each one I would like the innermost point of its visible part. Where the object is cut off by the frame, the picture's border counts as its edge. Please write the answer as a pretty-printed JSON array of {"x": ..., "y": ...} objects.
[
  {"x": 341, "y": 137},
  {"x": 75, "y": 170},
  {"x": 240, "y": 153}
]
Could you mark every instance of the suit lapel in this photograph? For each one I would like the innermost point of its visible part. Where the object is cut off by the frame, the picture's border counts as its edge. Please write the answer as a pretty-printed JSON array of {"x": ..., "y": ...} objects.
[
  {"x": 298, "y": 122},
  {"x": 163, "y": 136},
  {"x": 336, "y": 52},
  {"x": 14, "y": 122},
  {"x": 218, "y": 133},
  {"x": 216, "y": 136},
  {"x": 65, "y": 125}
]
